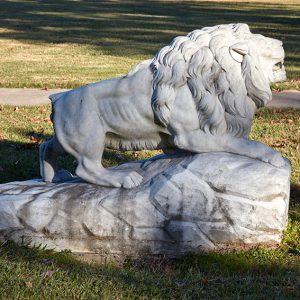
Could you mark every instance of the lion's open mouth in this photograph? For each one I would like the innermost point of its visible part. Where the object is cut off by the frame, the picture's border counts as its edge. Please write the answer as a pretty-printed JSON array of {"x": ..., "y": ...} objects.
[{"x": 278, "y": 66}]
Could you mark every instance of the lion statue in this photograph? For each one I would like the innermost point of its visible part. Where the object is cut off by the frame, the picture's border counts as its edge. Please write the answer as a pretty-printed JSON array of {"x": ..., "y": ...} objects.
[{"x": 199, "y": 94}]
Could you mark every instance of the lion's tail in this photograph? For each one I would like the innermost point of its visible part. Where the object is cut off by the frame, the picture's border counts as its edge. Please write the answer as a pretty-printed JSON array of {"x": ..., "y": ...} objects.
[{"x": 55, "y": 97}]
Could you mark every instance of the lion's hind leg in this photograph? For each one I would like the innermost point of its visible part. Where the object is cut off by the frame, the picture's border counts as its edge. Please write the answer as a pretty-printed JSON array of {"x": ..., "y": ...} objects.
[
  {"x": 48, "y": 154},
  {"x": 90, "y": 169}
]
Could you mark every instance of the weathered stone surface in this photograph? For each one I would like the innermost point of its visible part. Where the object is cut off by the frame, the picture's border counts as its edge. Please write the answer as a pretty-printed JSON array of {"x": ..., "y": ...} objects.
[{"x": 185, "y": 203}]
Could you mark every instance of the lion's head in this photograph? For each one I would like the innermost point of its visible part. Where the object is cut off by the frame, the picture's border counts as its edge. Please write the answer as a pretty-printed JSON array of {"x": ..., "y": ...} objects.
[{"x": 228, "y": 70}]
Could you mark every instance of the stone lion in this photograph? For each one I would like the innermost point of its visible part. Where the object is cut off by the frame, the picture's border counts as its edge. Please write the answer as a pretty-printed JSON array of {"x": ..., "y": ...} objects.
[{"x": 198, "y": 94}]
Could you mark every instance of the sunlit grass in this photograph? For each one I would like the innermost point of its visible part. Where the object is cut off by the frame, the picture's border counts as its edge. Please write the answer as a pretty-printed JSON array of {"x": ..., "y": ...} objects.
[
  {"x": 57, "y": 65},
  {"x": 70, "y": 43},
  {"x": 280, "y": 129}
]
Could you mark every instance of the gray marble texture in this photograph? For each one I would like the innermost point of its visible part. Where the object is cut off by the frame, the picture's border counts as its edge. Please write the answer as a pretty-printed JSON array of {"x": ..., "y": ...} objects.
[{"x": 208, "y": 201}]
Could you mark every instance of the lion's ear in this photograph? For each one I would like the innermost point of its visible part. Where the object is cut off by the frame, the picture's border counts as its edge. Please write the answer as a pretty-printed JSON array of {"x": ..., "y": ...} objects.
[{"x": 238, "y": 51}]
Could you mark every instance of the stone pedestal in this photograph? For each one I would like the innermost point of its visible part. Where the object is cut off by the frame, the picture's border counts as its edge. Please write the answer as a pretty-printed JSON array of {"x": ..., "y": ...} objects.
[{"x": 207, "y": 201}]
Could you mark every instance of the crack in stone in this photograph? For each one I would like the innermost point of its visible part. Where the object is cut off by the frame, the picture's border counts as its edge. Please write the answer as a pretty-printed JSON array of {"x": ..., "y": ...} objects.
[
  {"x": 219, "y": 191},
  {"x": 206, "y": 237},
  {"x": 116, "y": 216}
]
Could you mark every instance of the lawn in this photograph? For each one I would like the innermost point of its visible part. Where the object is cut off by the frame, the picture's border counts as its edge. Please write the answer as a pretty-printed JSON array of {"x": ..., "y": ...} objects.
[
  {"x": 65, "y": 44},
  {"x": 34, "y": 273}
]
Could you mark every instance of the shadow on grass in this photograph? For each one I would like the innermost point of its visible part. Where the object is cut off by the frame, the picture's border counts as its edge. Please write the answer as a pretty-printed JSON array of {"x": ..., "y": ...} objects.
[
  {"x": 295, "y": 194},
  {"x": 140, "y": 27},
  {"x": 214, "y": 274},
  {"x": 20, "y": 161}
]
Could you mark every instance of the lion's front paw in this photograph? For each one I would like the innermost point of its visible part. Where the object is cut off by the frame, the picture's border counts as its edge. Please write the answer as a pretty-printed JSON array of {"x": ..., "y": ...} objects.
[
  {"x": 277, "y": 161},
  {"x": 274, "y": 158},
  {"x": 131, "y": 180}
]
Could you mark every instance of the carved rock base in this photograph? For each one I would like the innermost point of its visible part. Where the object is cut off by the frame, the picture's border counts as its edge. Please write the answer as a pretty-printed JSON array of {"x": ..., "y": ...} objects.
[{"x": 185, "y": 204}]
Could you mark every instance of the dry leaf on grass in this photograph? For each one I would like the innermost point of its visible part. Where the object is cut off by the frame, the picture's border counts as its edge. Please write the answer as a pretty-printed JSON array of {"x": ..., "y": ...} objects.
[
  {"x": 34, "y": 120},
  {"x": 34, "y": 139},
  {"x": 36, "y": 136},
  {"x": 28, "y": 284},
  {"x": 48, "y": 274},
  {"x": 42, "y": 109},
  {"x": 48, "y": 120}
]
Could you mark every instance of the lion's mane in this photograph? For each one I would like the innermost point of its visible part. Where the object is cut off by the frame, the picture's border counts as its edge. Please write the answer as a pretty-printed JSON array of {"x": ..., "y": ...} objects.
[{"x": 226, "y": 92}]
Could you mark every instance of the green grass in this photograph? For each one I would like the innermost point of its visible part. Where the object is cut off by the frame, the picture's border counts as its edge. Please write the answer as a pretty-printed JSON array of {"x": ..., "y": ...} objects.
[
  {"x": 42, "y": 274},
  {"x": 65, "y": 44},
  {"x": 35, "y": 273}
]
